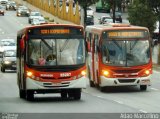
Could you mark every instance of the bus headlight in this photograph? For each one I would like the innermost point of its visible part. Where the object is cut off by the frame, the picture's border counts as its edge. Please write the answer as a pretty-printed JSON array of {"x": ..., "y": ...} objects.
[
  {"x": 146, "y": 72},
  {"x": 29, "y": 74},
  {"x": 83, "y": 72},
  {"x": 105, "y": 73},
  {"x": 7, "y": 62}
]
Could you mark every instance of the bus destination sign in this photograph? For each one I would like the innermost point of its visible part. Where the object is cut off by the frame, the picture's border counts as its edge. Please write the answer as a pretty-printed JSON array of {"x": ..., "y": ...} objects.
[
  {"x": 54, "y": 31},
  {"x": 126, "y": 34}
]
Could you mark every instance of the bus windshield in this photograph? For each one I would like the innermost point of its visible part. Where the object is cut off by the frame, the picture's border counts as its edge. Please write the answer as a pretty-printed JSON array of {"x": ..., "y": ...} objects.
[
  {"x": 55, "y": 52},
  {"x": 125, "y": 52}
]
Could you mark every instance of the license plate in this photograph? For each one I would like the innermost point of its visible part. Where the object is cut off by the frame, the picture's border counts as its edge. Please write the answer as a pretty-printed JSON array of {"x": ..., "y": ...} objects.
[
  {"x": 56, "y": 84},
  {"x": 13, "y": 65}
]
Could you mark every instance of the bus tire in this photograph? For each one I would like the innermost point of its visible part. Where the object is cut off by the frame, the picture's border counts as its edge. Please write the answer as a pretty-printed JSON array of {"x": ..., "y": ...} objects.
[
  {"x": 102, "y": 89},
  {"x": 77, "y": 94},
  {"x": 2, "y": 69},
  {"x": 91, "y": 83},
  {"x": 22, "y": 93},
  {"x": 29, "y": 95},
  {"x": 64, "y": 94},
  {"x": 143, "y": 87}
]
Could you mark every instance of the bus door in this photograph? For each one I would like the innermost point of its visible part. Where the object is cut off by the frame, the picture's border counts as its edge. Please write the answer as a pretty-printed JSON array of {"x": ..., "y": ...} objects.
[
  {"x": 21, "y": 62},
  {"x": 95, "y": 59}
]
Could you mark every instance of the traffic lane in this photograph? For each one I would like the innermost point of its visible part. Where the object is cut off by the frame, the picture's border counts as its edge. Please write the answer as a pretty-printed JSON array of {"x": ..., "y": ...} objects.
[
  {"x": 155, "y": 82},
  {"x": 10, "y": 24},
  {"x": 52, "y": 103},
  {"x": 98, "y": 15},
  {"x": 144, "y": 101}
]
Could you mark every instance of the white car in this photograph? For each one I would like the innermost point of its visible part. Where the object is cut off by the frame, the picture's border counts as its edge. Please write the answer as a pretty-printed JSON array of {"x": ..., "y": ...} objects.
[
  {"x": 38, "y": 21},
  {"x": 90, "y": 11},
  {"x": 104, "y": 19},
  {"x": 3, "y": 2},
  {"x": 34, "y": 15},
  {"x": 7, "y": 44}
]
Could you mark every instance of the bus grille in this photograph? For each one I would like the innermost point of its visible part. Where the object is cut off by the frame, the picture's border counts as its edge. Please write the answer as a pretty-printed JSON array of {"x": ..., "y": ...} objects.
[
  {"x": 126, "y": 80},
  {"x": 127, "y": 71}
]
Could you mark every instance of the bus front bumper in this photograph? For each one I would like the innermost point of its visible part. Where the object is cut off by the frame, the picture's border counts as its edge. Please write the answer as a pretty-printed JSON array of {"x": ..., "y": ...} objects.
[
  {"x": 36, "y": 85},
  {"x": 124, "y": 81}
]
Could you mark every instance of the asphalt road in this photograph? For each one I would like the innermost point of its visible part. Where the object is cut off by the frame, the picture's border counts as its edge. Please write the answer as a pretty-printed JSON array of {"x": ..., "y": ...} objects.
[{"x": 115, "y": 100}]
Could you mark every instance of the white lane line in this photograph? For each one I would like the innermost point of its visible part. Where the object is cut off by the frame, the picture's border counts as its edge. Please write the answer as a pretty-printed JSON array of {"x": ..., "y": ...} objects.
[
  {"x": 143, "y": 111},
  {"x": 154, "y": 89},
  {"x": 120, "y": 102}
]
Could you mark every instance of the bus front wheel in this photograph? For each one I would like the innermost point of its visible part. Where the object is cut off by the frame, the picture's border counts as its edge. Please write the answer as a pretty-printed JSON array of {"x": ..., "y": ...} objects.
[
  {"x": 143, "y": 87},
  {"x": 30, "y": 95},
  {"x": 22, "y": 93},
  {"x": 64, "y": 94},
  {"x": 77, "y": 94}
]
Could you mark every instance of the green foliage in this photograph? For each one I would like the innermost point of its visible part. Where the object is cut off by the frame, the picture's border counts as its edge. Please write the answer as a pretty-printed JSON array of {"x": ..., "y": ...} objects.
[
  {"x": 141, "y": 14},
  {"x": 84, "y": 4}
]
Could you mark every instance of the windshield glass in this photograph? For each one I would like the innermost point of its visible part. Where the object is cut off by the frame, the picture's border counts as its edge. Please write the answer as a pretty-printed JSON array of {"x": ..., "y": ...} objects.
[
  {"x": 35, "y": 14},
  {"x": 51, "y": 52},
  {"x": 125, "y": 53},
  {"x": 10, "y": 54}
]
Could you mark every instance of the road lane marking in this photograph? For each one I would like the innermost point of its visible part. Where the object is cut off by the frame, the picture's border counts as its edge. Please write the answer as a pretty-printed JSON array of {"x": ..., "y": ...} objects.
[
  {"x": 143, "y": 111},
  {"x": 154, "y": 89},
  {"x": 120, "y": 102},
  {"x": 117, "y": 101}
]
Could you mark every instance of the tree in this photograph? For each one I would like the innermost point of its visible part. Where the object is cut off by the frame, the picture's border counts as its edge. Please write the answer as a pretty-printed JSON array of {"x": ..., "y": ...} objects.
[
  {"x": 141, "y": 14},
  {"x": 84, "y": 4},
  {"x": 155, "y": 7}
]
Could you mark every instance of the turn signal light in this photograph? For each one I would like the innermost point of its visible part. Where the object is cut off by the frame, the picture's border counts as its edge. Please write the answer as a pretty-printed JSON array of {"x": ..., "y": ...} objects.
[
  {"x": 29, "y": 73},
  {"x": 83, "y": 72},
  {"x": 105, "y": 73},
  {"x": 147, "y": 72}
]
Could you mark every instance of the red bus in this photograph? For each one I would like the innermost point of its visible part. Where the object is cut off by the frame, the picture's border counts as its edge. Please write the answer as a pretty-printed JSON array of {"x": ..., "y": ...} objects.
[
  {"x": 120, "y": 55},
  {"x": 51, "y": 58}
]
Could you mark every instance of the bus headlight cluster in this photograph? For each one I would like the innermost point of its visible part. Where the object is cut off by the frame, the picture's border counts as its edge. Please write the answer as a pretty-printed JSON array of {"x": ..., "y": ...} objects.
[
  {"x": 147, "y": 72},
  {"x": 107, "y": 73},
  {"x": 83, "y": 73},
  {"x": 7, "y": 62}
]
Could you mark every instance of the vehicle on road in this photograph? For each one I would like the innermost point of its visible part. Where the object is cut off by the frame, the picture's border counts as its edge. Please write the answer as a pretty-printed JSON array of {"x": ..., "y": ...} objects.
[
  {"x": 103, "y": 6},
  {"x": 90, "y": 12},
  {"x": 6, "y": 44},
  {"x": 8, "y": 60},
  {"x": 90, "y": 20},
  {"x": 2, "y": 11},
  {"x": 120, "y": 55},
  {"x": 34, "y": 15},
  {"x": 156, "y": 35},
  {"x": 22, "y": 11},
  {"x": 38, "y": 21},
  {"x": 51, "y": 58},
  {"x": 11, "y": 6},
  {"x": 3, "y": 2},
  {"x": 105, "y": 19}
]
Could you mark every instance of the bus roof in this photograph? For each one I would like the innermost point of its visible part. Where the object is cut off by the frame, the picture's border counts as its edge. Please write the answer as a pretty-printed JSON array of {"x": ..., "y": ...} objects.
[
  {"x": 112, "y": 26},
  {"x": 45, "y": 25}
]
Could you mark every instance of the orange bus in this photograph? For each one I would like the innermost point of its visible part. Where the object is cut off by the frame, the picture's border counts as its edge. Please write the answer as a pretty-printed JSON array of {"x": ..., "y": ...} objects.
[
  {"x": 119, "y": 55},
  {"x": 51, "y": 58}
]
